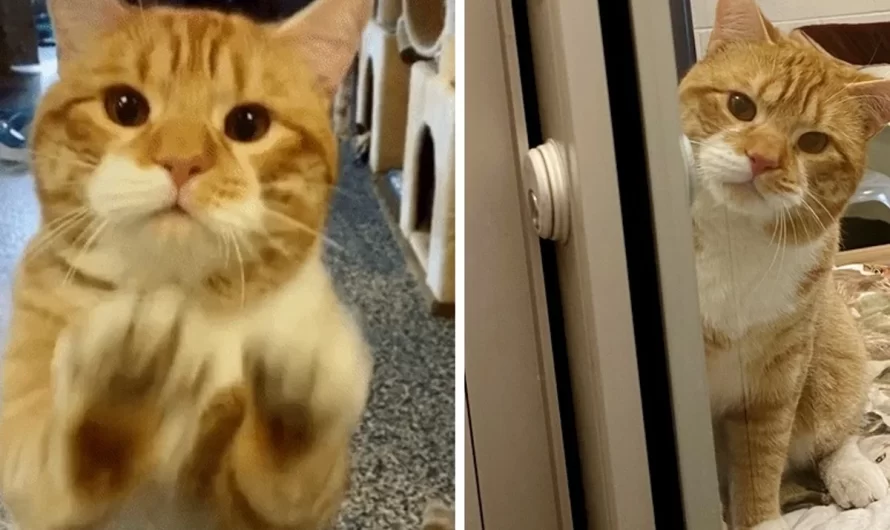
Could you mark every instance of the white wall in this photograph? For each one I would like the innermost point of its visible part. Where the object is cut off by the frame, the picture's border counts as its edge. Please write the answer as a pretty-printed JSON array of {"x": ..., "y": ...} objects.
[{"x": 790, "y": 14}]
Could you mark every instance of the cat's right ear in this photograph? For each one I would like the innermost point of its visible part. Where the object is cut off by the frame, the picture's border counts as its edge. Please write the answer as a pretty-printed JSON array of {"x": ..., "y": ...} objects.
[
  {"x": 875, "y": 97},
  {"x": 740, "y": 20},
  {"x": 78, "y": 22}
]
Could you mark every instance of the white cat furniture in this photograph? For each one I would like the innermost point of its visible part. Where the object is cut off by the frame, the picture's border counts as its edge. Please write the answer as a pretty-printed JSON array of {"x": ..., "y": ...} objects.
[
  {"x": 382, "y": 96},
  {"x": 426, "y": 26},
  {"x": 387, "y": 12},
  {"x": 427, "y": 207}
]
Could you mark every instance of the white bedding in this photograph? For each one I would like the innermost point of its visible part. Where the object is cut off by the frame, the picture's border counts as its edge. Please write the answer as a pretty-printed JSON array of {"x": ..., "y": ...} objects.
[{"x": 874, "y": 517}]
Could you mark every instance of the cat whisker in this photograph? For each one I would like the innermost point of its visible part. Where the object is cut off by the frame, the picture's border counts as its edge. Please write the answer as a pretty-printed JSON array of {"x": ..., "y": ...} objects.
[
  {"x": 302, "y": 227},
  {"x": 803, "y": 222},
  {"x": 772, "y": 261},
  {"x": 783, "y": 244},
  {"x": 54, "y": 230},
  {"x": 809, "y": 194},
  {"x": 85, "y": 248},
  {"x": 819, "y": 203},
  {"x": 230, "y": 234}
]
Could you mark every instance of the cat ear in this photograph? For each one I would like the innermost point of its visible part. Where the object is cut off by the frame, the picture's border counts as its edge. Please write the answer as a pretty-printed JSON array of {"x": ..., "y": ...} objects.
[
  {"x": 875, "y": 97},
  {"x": 327, "y": 35},
  {"x": 78, "y": 22},
  {"x": 741, "y": 20}
]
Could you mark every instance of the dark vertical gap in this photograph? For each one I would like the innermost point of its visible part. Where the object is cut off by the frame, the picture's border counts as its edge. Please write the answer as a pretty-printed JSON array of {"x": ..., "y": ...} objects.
[
  {"x": 642, "y": 260},
  {"x": 684, "y": 36},
  {"x": 564, "y": 395},
  {"x": 426, "y": 183},
  {"x": 477, "y": 500}
]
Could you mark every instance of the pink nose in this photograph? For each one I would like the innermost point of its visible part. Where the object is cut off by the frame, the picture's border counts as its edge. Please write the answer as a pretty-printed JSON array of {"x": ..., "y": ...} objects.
[
  {"x": 761, "y": 163},
  {"x": 183, "y": 169}
]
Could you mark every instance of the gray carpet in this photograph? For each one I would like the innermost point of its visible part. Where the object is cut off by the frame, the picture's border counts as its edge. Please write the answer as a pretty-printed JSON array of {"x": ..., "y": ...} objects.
[{"x": 404, "y": 452}]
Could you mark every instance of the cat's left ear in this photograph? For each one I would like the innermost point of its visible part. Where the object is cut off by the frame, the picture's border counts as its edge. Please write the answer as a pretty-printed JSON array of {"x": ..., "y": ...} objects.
[
  {"x": 79, "y": 22},
  {"x": 327, "y": 35},
  {"x": 875, "y": 97},
  {"x": 741, "y": 21}
]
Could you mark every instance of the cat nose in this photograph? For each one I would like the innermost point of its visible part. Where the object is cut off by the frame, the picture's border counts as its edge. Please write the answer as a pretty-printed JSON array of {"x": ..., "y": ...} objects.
[
  {"x": 184, "y": 168},
  {"x": 761, "y": 163}
]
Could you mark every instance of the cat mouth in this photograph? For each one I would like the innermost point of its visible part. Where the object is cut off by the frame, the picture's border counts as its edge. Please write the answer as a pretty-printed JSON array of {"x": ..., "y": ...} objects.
[
  {"x": 174, "y": 210},
  {"x": 746, "y": 189}
]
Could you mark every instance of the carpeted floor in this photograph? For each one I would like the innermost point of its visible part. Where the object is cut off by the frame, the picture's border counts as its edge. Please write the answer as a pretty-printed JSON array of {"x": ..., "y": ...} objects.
[{"x": 404, "y": 452}]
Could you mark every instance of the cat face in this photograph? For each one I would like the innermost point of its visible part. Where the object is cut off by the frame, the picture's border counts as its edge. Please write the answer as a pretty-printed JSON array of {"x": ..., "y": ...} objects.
[
  {"x": 777, "y": 126},
  {"x": 192, "y": 134}
]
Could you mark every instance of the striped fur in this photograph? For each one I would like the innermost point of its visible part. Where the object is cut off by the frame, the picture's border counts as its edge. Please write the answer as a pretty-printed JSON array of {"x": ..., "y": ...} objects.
[
  {"x": 183, "y": 371},
  {"x": 785, "y": 362}
]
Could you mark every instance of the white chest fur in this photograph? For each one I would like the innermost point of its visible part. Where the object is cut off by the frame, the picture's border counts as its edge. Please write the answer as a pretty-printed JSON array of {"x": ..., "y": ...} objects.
[
  {"x": 302, "y": 326},
  {"x": 745, "y": 276}
]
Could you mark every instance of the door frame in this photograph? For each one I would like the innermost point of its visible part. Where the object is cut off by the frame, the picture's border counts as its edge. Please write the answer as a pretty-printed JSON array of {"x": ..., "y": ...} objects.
[
  {"x": 574, "y": 110},
  {"x": 574, "y": 88},
  {"x": 670, "y": 204},
  {"x": 513, "y": 414}
]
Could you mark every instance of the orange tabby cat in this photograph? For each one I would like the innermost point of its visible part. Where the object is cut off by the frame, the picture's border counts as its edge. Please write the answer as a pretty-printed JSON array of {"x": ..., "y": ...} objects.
[
  {"x": 779, "y": 133},
  {"x": 178, "y": 358}
]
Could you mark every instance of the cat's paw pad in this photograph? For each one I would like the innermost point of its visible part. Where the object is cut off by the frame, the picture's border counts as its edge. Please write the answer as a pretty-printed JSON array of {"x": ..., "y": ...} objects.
[
  {"x": 773, "y": 524},
  {"x": 856, "y": 483}
]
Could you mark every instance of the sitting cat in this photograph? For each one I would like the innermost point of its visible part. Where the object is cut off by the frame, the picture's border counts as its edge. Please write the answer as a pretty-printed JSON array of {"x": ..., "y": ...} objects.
[
  {"x": 177, "y": 355},
  {"x": 779, "y": 133}
]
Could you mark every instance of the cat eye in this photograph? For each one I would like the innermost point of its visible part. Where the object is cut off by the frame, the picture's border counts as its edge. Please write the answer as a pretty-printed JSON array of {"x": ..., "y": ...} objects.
[
  {"x": 126, "y": 106},
  {"x": 741, "y": 106},
  {"x": 812, "y": 142},
  {"x": 247, "y": 123}
]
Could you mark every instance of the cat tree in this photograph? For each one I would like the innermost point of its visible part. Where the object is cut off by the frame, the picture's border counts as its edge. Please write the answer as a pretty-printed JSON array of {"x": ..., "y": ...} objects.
[
  {"x": 427, "y": 208},
  {"x": 387, "y": 13},
  {"x": 382, "y": 89}
]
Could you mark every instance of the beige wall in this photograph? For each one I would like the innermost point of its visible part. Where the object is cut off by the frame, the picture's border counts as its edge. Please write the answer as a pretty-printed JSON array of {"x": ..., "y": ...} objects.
[{"x": 789, "y": 14}]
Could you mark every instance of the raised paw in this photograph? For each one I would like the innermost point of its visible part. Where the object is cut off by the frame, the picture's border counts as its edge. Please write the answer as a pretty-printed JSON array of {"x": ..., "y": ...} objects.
[
  {"x": 109, "y": 370},
  {"x": 281, "y": 398},
  {"x": 217, "y": 426}
]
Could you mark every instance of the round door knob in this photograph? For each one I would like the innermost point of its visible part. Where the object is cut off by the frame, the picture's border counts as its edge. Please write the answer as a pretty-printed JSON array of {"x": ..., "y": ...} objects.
[{"x": 547, "y": 180}]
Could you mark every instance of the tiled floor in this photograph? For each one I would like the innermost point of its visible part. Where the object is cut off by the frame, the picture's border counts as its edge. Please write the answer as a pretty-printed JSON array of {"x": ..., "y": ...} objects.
[{"x": 404, "y": 451}]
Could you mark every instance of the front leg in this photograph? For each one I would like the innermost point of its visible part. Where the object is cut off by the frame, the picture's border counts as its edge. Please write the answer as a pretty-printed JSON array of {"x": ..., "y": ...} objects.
[
  {"x": 288, "y": 465},
  {"x": 758, "y": 440},
  {"x": 108, "y": 376}
]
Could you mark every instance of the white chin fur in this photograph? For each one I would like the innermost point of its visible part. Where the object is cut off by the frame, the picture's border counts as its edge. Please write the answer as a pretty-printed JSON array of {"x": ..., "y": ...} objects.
[
  {"x": 124, "y": 195},
  {"x": 718, "y": 164}
]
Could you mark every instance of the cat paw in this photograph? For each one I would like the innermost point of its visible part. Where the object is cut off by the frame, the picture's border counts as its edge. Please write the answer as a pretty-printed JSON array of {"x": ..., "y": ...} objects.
[
  {"x": 300, "y": 396},
  {"x": 361, "y": 145},
  {"x": 108, "y": 369},
  {"x": 281, "y": 398},
  {"x": 855, "y": 482},
  {"x": 773, "y": 524}
]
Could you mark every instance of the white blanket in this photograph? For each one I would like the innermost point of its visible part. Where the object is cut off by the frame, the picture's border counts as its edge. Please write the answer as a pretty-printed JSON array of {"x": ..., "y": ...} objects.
[{"x": 874, "y": 517}]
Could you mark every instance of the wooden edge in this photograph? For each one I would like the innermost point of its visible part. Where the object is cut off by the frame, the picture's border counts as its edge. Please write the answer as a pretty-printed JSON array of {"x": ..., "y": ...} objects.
[
  {"x": 879, "y": 254},
  {"x": 390, "y": 203}
]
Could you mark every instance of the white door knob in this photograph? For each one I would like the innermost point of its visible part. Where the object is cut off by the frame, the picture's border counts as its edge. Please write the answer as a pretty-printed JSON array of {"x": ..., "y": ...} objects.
[{"x": 547, "y": 179}]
